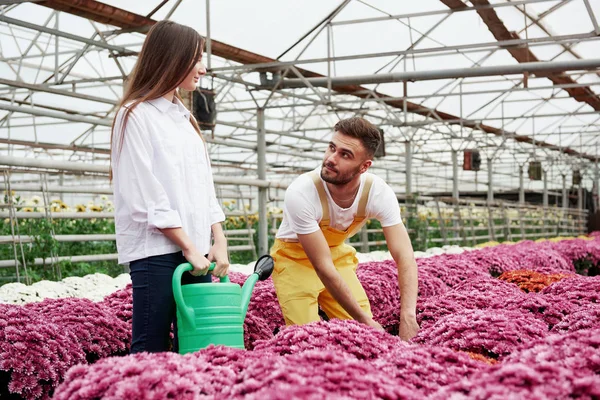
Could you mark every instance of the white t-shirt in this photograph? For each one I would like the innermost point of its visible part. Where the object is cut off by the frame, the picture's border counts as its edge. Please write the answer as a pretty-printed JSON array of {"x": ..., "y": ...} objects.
[{"x": 302, "y": 208}]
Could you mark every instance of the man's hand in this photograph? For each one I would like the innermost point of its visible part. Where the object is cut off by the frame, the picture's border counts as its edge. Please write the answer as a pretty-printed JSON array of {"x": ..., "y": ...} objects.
[
  {"x": 408, "y": 327},
  {"x": 198, "y": 261},
  {"x": 218, "y": 254},
  {"x": 372, "y": 323}
]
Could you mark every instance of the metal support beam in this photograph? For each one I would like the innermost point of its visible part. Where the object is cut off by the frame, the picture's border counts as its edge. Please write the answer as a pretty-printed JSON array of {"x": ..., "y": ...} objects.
[
  {"x": 541, "y": 67},
  {"x": 32, "y": 187},
  {"x": 565, "y": 199},
  {"x": 490, "y": 196},
  {"x": 54, "y": 146},
  {"x": 597, "y": 185},
  {"x": 521, "y": 186},
  {"x": 590, "y": 11},
  {"x": 46, "y": 89},
  {"x": 39, "y": 28},
  {"x": 436, "y": 12},
  {"x": 455, "y": 174},
  {"x": 261, "y": 156},
  {"x": 208, "y": 37},
  {"x": 72, "y": 166},
  {"x": 580, "y": 197},
  {"x": 545, "y": 194},
  {"x": 408, "y": 157},
  {"x": 51, "y": 114}
]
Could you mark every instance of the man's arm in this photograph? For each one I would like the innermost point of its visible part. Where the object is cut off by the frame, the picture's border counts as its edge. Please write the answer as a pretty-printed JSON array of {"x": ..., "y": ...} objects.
[
  {"x": 401, "y": 249},
  {"x": 316, "y": 248}
]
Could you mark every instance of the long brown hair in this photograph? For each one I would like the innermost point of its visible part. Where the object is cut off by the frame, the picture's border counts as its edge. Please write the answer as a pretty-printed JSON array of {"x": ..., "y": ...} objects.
[{"x": 168, "y": 55}]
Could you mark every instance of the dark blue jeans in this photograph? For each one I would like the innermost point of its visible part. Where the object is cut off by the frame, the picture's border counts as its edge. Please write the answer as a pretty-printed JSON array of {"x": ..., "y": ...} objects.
[{"x": 153, "y": 302}]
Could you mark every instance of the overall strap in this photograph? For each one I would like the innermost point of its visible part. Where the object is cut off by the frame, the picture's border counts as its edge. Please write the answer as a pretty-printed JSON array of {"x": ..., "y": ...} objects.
[
  {"x": 323, "y": 197},
  {"x": 364, "y": 198}
]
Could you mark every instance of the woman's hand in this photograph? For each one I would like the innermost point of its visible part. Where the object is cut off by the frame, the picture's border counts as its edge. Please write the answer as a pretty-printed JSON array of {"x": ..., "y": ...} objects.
[
  {"x": 218, "y": 254},
  {"x": 198, "y": 261}
]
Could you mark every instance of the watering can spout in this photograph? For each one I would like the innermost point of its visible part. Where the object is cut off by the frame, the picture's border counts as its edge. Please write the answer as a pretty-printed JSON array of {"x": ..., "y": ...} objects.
[{"x": 262, "y": 271}]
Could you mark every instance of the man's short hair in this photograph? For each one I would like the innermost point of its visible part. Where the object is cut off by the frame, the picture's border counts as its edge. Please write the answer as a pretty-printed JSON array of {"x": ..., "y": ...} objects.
[{"x": 362, "y": 129}]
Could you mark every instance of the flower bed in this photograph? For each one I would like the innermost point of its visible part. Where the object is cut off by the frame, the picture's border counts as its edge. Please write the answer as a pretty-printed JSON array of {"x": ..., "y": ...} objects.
[
  {"x": 35, "y": 353},
  {"x": 533, "y": 333},
  {"x": 98, "y": 330},
  {"x": 492, "y": 333}
]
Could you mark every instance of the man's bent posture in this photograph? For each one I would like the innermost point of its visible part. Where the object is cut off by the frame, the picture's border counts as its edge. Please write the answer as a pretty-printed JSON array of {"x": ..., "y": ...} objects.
[{"x": 323, "y": 208}]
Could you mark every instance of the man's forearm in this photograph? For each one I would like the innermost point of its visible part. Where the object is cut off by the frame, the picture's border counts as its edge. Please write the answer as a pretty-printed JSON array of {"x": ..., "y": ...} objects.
[
  {"x": 408, "y": 283},
  {"x": 340, "y": 291},
  {"x": 316, "y": 248},
  {"x": 401, "y": 249}
]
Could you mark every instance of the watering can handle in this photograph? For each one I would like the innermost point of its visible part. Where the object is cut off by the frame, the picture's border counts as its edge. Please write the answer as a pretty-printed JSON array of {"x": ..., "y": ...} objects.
[
  {"x": 224, "y": 279},
  {"x": 186, "y": 312}
]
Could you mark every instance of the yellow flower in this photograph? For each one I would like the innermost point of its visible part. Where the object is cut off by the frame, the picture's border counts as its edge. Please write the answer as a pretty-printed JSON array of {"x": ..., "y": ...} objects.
[
  {"x": 80, "y": 208},
  {"x": 36, "y": 200},
  {"x": 96, "y": 208},
  {"x": 247, "y": 206},
  {"x": 275, "y": 210},
  {"x": 7, "y": 220},
  {"x": 232, "y": 201},
  {"x": 226, "y": 203},
  {"x": 27, "y": 209}
]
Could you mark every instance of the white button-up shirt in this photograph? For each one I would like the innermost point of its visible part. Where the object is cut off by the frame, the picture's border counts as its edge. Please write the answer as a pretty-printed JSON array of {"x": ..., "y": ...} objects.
[{"x": 162, "y": 179}]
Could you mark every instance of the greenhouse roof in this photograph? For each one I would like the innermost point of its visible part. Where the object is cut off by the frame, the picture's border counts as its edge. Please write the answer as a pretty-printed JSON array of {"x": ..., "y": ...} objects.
[{"x": 516, "y": 80}]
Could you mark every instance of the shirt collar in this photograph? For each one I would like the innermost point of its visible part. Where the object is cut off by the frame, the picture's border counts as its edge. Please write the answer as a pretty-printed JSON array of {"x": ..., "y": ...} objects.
[{"x": 165, "y": 106}]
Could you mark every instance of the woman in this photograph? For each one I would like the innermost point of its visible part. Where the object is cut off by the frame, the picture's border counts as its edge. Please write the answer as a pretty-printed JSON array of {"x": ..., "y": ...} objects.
[{"x": 165, "y": 203}]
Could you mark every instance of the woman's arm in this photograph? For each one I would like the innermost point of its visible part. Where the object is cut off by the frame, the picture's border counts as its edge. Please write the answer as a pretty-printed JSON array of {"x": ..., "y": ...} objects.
[
  {"x": 218, "y": 251},
  {"x": 181, "y": 239}
]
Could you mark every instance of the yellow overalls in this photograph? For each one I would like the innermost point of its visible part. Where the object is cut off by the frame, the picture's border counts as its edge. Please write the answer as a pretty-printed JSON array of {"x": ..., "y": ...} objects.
[{"x": 299, "y": 289}]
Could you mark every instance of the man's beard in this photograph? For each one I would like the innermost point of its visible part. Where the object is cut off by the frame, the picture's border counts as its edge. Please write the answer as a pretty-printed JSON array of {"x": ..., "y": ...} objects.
[{"x": 339, "y": 179}]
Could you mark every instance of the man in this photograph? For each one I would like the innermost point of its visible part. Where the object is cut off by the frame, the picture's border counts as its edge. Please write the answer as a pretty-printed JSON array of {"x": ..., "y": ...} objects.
[{"x": 313, "y": 265}]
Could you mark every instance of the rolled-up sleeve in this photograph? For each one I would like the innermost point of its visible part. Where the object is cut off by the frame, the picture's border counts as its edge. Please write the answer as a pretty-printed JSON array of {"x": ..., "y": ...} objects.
[{"x": 143, "y": 195}]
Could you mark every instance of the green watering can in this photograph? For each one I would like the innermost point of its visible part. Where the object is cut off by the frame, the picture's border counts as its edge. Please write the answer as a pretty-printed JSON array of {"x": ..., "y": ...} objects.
[{"x": 214, "y": 313}]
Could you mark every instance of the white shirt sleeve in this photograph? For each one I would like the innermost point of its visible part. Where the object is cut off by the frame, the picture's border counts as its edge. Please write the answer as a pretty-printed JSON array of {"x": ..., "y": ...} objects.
[
  {"x": 301, "y": 212},
  {"x": 383, "y": 204},
  {"x": 144, "y": 197}
]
